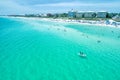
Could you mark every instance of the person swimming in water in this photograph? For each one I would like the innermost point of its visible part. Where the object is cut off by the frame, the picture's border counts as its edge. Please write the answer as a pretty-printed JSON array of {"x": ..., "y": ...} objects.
[{"x": 98, "y": 41}]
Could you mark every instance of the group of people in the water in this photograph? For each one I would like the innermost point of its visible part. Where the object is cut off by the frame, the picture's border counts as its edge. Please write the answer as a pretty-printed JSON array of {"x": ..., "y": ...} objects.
[
  {"x": 59, "y": 29},
  {"x": 117, "y": 36},
  {"x": 98, "y": 41}
]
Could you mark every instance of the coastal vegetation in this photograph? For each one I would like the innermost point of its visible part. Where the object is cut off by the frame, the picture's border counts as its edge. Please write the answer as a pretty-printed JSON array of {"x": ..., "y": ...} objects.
[{"x": 113, "y": 16}]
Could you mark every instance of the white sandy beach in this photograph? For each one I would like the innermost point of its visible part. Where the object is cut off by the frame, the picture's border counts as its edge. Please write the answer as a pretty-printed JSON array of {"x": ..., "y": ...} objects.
[
  {"x": 85, "y": 22},
  {"x": 82, "y": 22}
]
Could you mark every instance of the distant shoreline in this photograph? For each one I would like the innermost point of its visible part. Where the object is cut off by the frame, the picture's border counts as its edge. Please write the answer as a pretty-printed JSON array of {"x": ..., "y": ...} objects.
[{"x": 110, "y": 23}]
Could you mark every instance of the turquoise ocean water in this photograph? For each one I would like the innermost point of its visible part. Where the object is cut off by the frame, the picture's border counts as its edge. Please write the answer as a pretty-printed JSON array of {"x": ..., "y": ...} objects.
[{"x": 43, "y": 50}]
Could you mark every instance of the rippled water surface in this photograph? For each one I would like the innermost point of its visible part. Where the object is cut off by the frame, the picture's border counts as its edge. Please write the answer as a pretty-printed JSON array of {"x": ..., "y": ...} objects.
[{"x": 32, "y": 49}]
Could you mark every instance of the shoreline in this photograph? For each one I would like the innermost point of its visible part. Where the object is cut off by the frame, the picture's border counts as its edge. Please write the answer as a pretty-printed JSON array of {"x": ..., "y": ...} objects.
[
  {"x": 84, "y": 22},
  {"x": 103, "y": 23}
]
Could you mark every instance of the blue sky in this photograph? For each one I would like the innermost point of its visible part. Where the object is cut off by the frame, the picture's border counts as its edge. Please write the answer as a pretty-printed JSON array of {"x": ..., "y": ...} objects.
[{"x": 56, "y": 6}]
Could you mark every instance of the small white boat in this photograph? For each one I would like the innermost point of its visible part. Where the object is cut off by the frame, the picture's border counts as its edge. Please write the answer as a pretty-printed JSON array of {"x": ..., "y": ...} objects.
[{"x": 81, "y": 54}]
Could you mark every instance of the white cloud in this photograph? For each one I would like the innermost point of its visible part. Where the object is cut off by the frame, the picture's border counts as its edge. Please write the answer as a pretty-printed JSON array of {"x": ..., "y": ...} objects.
[
  {"x": 76, "y": 4},
  {"x": 10, "y": 7}
]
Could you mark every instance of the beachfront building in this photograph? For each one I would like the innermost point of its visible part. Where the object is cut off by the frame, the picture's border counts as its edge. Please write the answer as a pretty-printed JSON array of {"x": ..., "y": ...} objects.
[
  {"x": 89, "y": 14},
  {"x": 102, "y": 14},
  {"x": 116, "y": 18},
  {"x": 80, "y": 15},
  {"x": 55, "y": 15},
  {"x": 43, "y": 15},
  {"x": 72, "y": 14},
  {"x": 49, "y": 15},
  {"x": 111, "y": 15}
]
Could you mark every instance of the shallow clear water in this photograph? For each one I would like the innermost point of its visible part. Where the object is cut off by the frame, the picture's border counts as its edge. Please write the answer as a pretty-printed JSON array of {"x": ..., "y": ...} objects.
[{"x": 42, "y": 50}]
